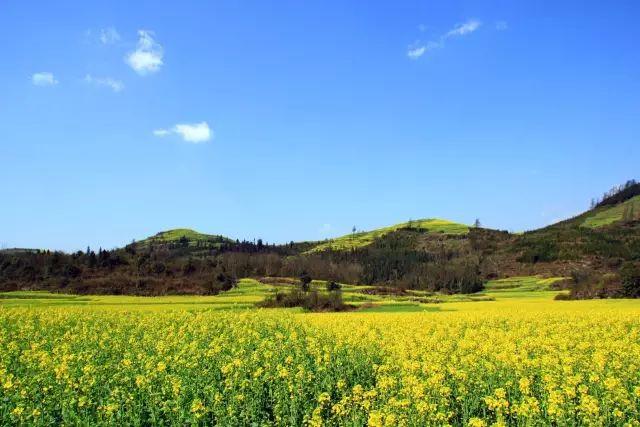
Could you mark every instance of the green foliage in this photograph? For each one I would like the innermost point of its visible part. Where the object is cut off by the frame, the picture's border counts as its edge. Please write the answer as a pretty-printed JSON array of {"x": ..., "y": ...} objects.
[
  {"x": 305, "y": 280},
  {"x": 333, "y": 286},
  {"x": 310, "y": 301},
  {"x": 630, "y": 279}
]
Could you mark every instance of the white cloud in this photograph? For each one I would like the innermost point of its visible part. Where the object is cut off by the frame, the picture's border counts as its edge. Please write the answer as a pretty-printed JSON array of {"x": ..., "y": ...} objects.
[
  {"x": 147, "y": 58},
  {"x": 418, "y": 49},
  {"x": 195, "y": 133},
  {"x": 416, "y": 52},
  {"x": 161, "y": 132},
  {"x": 44, "y": 78},
  {"x": 464, "y": 28},
  {"x": 198, "y": 132},
  {"x": 502, "y": 25},
  {"x": 109, "y": 36},
  {"x": 115, "y": 85}
]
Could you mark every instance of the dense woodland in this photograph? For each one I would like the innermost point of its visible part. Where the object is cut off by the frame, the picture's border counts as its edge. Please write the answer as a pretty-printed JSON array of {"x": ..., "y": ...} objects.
[{"x": 603, "y": 261}]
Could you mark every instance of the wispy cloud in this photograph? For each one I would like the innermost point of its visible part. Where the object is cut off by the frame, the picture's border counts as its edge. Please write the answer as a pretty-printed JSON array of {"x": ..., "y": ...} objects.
[
  {"x": 44, "y": 78},
  {"x": 147, "y": 58},
  {"x": 464, "y": 28},
  {"x": 502, "y": 25},
  {"x": 109, "y": 36},
  {"x": 113, "y": 84},
  {"x": 161, "y": 132},
  {"x": 418, "y": 49},
  {"x": 195, "y": 132},
  {"x": 416, "y": 52}
]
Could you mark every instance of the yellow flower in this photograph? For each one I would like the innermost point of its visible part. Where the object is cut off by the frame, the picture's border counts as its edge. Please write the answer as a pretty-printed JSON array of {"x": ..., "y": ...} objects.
[
  {"x": 197, "y": 408},
  {"x": 476, "y": 422}
]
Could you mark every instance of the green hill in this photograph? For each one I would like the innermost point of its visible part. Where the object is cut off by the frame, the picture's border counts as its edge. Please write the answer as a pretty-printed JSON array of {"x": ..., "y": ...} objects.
[
  {"x": 185, "y": 237},
  {"x": 609, "y": 214},
  {"x": 364, "y": 238}
]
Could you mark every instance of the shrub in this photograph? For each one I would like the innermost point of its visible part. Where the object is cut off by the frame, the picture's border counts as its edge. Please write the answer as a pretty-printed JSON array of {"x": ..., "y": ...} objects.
[
  {"x": 305, "y": 281},
  {"x": 310, "y": 301},
  {"x": 630, "y": 279},
  {"x": 333, "y": 286}
]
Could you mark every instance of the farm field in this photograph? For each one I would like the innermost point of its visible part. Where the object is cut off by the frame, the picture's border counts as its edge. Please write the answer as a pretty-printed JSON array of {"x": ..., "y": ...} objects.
[{"x": 512, "y": 356}]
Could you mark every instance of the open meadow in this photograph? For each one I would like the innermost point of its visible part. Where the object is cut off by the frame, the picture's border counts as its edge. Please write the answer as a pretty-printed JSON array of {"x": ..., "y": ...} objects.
[{"x": 510, "y": 356}]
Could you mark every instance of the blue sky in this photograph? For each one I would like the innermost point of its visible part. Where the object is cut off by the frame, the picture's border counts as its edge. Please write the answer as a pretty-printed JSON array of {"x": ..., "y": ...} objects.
[{"x": 298, "y": 120}]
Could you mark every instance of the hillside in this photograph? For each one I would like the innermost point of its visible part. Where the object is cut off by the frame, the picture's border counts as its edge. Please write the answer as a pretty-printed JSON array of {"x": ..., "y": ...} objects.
[
  {"x": 184, "y": 237},
  {"x": 601, "y": 238},
  {"x": 609, "y": 214},
  {"x": 365, "y": 238},
  {"x": 433, "y": 255}
]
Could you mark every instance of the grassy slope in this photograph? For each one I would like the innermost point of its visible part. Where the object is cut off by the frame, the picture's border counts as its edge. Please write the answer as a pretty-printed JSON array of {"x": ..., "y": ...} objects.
[
  {"x": 174, "y": 236},
  {"x": 607, "y": 215},
  {"x": 365, "y": 238}
]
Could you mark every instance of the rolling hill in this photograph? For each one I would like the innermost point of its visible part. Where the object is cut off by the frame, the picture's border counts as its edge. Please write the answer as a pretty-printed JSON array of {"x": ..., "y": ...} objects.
[
  {"x": 184, "y": 237},
  {"x": 434, "y": 255},
  {"x": 365, "y": 238}
]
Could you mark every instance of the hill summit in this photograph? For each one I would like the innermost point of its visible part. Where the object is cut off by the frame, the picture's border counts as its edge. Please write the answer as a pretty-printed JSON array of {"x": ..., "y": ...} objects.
[
  {"x": 365, "y": 238},
  {"x": 184, "y": 237}
]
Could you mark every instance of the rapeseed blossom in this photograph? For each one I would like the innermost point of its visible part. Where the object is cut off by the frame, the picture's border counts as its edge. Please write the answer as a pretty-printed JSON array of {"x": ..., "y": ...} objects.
[{"x": 60, "y": 366}]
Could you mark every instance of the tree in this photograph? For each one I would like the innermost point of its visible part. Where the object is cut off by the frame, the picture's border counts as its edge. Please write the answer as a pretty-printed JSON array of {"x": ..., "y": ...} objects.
[
  {"x": 630, "y": 278},
  {"x": 92, "y": 260},
  {"x": 353, "y": 230},
  {"x": 333, "y": 286},
  {"x": 189, "y": 267},
  {"x": 476, "y": 223},
  {"x": 305, "y": 281}
]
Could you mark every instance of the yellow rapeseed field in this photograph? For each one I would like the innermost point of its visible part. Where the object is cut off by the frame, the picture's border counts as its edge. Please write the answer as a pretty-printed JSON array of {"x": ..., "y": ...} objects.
[{"x": 498, "y": 363}]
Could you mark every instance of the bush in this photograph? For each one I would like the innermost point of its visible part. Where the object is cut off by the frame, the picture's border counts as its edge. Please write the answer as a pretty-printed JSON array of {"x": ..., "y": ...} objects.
[
  {"x": 305, "y": 281},
  {"x": 588, "y": 284},
  {"x": 630, "y": 279},
  {"x": 310, "y": 301},
  {"x": 333, "y": 286}
]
